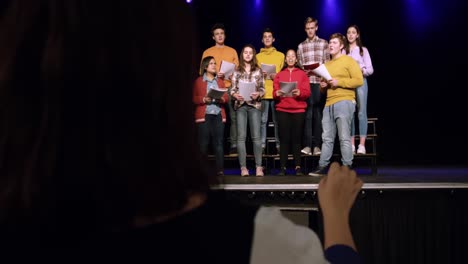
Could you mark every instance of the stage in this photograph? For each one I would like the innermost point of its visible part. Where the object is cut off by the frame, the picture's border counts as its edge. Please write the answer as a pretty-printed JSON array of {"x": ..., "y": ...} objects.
[
  {"x": 401, "y": 215},
  {"x": 387, "y": 178}
]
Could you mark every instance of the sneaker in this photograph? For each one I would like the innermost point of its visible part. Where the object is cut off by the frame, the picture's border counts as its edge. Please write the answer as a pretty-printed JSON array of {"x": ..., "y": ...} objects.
[
  {"x": 306, "y": 151},
  {"x": 244, "y": 172},
  {"x": 282, "y": 172},
  {"x": 259, "y": 172},
  {"x": 299, "y": 171},
  {"x": 361, "y": 149},
  {"x": 353, "y": 148},
  {"x": 317, "y": 151},
  {"x": 319, "y": 171}
]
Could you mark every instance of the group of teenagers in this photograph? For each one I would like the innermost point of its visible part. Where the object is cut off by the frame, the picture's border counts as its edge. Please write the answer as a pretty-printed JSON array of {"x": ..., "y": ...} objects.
[
  {"x": 306, "y": 120},
  {"x": 83, "y": 177}
]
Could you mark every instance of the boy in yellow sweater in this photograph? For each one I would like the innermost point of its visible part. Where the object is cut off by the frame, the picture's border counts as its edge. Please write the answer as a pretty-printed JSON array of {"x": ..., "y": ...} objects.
[
  {"x": 340, "y": 105},
  {"x": 269, "y": 55}
]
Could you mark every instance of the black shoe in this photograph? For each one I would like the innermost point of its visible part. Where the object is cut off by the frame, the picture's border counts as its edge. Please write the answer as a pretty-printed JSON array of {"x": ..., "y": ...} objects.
[
  {"x": 282, "y": 172},
  {"x": 299, "y": 171},
  {"x": 318, "y": 172}
]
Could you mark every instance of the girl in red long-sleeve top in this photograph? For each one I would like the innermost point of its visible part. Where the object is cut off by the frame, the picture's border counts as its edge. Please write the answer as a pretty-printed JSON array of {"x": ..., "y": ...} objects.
[{"x": 291, "y": 109}]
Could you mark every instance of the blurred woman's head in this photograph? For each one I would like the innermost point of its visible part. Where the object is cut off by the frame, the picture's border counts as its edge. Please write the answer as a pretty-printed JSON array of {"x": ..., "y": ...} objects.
[{"x": 96, "y": 119}]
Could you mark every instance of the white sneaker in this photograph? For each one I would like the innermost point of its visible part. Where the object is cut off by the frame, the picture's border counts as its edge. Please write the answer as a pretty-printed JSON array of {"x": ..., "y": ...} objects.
[
  {"x": 259, "y": 172},
  {"x": 244, "y": 172},
  {"x": 354, "y": 149},
  {"x": 306, "y": 151},
  {"x": 361, "y": 149},
  {"x": 317, "y": 151}
]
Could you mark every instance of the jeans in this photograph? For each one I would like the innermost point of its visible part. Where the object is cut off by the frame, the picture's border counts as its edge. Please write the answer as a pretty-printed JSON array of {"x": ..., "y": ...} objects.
[
  {"x": 337, "y": 116},
  {"x": 361, "y": 98},
  {"x": 212, "y": 129},
  {"x": 233, "y": 122},
  {"x": 313, "y": 119},
  {"x": 253, "y": 116},
  {"x": 266, "y": 103}
]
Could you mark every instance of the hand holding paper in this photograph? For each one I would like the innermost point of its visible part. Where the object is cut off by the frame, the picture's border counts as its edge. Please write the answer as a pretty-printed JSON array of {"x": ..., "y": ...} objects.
[
  {"x": 268, "y": 69},
  {"x": 323, "y": 72},
  {"x": 227, "y": 68},
  {"x": 216, "y": 93},
  {"x": 287, "y": 88},
  {"x": 246, "y": 89}
]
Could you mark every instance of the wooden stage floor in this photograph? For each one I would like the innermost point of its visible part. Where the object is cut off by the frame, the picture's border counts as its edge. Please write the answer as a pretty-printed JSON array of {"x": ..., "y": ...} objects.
[{"x": 387, "y": 178}]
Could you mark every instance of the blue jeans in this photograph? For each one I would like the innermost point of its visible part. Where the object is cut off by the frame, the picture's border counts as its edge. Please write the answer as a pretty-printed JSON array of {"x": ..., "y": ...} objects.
[
  {"x": 337, "y": 116},
  {"x": 266, "y": 103},
  {"x": 232, "y": 119},
  {"x": 312, "y": 136},
  {"x": 361, "y": 98},
  {"x": 212, "y": 130},
  {"x": 253, "y": 115}
]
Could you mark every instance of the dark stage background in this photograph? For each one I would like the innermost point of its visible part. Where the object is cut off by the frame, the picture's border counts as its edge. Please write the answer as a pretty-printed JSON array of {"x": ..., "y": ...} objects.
[{"x": 418, "y": 52}]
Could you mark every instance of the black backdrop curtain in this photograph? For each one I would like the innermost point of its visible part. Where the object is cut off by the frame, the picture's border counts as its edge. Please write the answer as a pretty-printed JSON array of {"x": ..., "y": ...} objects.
[{"x": 409, "y": 226}]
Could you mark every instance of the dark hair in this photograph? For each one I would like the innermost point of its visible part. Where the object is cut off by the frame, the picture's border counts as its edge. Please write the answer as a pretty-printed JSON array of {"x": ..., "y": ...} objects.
[
  {"x": 358, "y": 40},
  {"x": 204, "y": 64},
  {"x": 217, "y": 26},
  {"x": 296, "y": 65},
  {"x": 89, "y": 130},
  {"x": 268, "y": 30}
]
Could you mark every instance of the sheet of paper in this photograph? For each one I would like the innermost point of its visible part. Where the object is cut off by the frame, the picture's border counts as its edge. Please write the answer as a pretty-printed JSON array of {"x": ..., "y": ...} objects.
[
  {"x": 287, "y": 88},
  {"x": 322, "y": 71},
  {"x": 227, "y": 68},
  {"x": 246, "y": 89},
  {"x": 216, "y": 93},
  {"x": 269, "y": 69}
]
